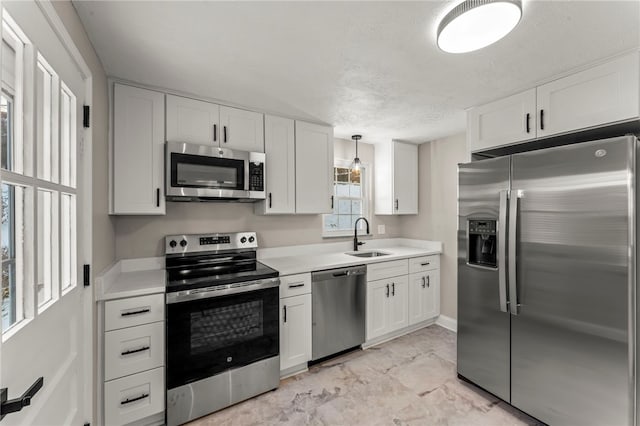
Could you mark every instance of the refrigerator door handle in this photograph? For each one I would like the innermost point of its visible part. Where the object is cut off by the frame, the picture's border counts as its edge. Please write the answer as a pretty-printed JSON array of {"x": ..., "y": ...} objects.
[
  {"x": 502, "y": 248},
  {"x": 513, "y": 238}
]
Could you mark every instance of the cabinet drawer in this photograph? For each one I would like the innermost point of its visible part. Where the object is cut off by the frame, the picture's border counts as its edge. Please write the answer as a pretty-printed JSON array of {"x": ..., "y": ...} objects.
[
  {"x": 382, "y": 270},
  {"x": 424, "y": 263},
  {"x": 134, "y": 397},
  {"x": 133, "y": 311},
  {"x": 134, "y": 349},
  {"x": 294, "y": 285}
]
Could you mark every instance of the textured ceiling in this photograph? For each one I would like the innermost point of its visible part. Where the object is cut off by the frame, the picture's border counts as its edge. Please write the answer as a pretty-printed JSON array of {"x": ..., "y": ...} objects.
[{"x": 364, "y": 67}]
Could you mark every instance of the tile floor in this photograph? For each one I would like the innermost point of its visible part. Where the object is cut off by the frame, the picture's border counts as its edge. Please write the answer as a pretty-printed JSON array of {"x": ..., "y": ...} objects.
[{"x": 408, "y": 381}]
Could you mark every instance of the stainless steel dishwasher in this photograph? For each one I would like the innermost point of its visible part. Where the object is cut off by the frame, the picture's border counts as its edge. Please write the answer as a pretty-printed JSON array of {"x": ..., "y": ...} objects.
[{"x": 338, "y": 310}]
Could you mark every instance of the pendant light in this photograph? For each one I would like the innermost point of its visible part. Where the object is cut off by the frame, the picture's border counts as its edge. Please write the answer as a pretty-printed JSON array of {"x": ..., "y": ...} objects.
[
  {"x": 475, "y": 24},
  {"x": 355, "y": 165}
]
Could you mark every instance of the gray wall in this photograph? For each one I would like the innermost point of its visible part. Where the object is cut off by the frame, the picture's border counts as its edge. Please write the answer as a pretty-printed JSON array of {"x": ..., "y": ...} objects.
[
  {"x": 142, "y": 236},
  {"x": 103, "y": 227},
  {"x": 438, "y": 218}
]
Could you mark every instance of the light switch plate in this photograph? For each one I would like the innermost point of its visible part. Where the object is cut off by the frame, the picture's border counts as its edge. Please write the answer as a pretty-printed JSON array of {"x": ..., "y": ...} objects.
[{"x": 381, "y": 229}]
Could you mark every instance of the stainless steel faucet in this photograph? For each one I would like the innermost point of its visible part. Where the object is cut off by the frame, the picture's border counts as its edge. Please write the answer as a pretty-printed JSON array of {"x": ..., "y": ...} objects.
[{"x": 355, "y": 232}]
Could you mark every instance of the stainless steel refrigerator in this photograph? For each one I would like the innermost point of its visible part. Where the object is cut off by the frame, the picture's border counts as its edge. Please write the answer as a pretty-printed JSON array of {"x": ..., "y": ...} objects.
[{"x": 546, "y": 281}]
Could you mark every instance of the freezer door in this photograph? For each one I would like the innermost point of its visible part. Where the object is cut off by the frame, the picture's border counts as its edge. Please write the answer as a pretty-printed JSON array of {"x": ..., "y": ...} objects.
[
  {"x": 483, "y": 323},
  {"x": 570, "y": 359}
]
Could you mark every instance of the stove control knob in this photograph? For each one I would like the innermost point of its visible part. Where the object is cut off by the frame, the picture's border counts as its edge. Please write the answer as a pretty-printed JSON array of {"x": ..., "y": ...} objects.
[
  {"x": 251, "y": 239},
  {"x": 183, "y": 243},
  {"x": 173, "y": 243},
  {"x": 243, "y": 240}
]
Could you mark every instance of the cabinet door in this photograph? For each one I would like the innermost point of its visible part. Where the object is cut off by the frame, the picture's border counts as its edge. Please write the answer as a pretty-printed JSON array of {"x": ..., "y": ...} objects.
[
  {"x": 314, "y": 168},
  {"x": 432, "y": 295},
  {"x": 378, "y": 294},
  {"x": 603, "y": 94},
  {"x": 502, "y": 122},
  {"x": 279, "y": 144},
  {"x": 295, "y": 331},
  {"x": 424, "y": 296},
  {"x": 241, "y": 129},
  {"x": 399, "y": 303},
  {"x": 405, "y": 178},
  {"x": 189, "y": 120},
  {"x": 138, "y": 146}
]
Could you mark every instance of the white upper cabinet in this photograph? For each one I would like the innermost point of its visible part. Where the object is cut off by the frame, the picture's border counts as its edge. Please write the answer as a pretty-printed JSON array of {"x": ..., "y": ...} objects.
[
  {"x": 396, "y": 177},
  {"x": 506, "y": 121},
  {"x": 137, "y": 168},
  {"x": 603, "y": 94},
  {"x": 189, "y": 120},
  {"x": 279, "y": 144},
  {"x": 193, "y": 121},
  {"x": 314, "y": 168},
  {"x": 242, "y": 129}
]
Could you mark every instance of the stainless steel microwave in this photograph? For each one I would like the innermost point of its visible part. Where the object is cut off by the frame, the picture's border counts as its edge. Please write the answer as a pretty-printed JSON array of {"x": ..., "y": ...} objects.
[{"x": 209, "y": 173}]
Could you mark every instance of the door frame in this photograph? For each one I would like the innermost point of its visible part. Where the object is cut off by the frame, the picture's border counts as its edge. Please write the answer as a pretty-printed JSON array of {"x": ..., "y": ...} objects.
[{"x": 85, "y": 141}]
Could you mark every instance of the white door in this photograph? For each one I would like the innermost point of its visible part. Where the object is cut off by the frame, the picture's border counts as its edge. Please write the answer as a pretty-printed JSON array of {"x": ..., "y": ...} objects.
[
  {"x": 603, "y": 94},
  {"x": 242, "y": 129},
  {"x": 295, "y": 326},
  {"x": 398, "y": 303},
  {"x": 377, "y": 313},
  {"x": 432, "y": 295},
  {"x": 138, "y": 151},
  {"x": 405, "y": 178},
  {"x": 314, "y": 168},
  {"x": 502, "y": 122},
  {"x": 279, "y": 144},
  {"x": 417, "y": 285},
  {"x": 46, "y": 311},
  {"x": 189, "y": 120}
]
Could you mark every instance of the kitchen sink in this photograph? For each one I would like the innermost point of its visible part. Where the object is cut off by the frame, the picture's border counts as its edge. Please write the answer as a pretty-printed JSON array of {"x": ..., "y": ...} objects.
[{"x": 367, "y": 253}]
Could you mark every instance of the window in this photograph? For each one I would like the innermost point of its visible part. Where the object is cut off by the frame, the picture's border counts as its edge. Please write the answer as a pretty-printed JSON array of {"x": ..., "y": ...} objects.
[
  {"x": 38, "y": 182},
  {"x": 350, "y": 200}
]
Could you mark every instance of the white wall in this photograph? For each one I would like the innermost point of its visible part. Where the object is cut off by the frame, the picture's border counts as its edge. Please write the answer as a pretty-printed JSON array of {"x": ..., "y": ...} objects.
[
  {"x": 438, "y": 207},
  {"x": 142, "y": 236}
]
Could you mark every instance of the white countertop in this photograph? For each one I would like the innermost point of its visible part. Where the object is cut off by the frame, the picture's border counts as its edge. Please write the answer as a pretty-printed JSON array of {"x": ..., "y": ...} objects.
[
  {"x": 131, "y": 278},
  {"x": 140, "y": 277},
  {"x": 290, "y": 263}
]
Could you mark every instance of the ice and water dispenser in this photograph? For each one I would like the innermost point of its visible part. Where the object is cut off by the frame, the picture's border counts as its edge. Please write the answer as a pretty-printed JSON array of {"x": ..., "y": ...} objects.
[{"x": 483, "y": 244}]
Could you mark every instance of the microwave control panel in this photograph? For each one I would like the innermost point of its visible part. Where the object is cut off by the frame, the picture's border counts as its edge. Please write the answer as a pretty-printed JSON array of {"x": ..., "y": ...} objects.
[{"x": 256, "y": 176}]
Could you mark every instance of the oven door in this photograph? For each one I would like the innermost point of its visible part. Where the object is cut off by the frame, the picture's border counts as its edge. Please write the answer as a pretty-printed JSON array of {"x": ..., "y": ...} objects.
[
  {"x": 208, "y": 335},
  {"x": 202, "y": 171}
]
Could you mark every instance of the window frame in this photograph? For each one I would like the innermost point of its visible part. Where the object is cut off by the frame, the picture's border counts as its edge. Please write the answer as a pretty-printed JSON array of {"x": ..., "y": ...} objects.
[{"x": 365, "y": 198}]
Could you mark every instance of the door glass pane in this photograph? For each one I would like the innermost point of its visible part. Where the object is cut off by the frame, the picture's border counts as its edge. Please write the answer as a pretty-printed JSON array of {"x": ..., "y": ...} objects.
[
  {"x": 46, "y": 126},
  {"x": 12, "y": 244},
  {"x": 6, "y": 130},
  {"x": 67, "y": 137},
  {"x": 46, "y": 247},
  {"x": 68, "y": 241}
]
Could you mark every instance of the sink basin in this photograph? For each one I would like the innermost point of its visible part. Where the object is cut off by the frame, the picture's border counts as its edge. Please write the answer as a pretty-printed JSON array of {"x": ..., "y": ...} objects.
[{"x": 367, "y": 253}]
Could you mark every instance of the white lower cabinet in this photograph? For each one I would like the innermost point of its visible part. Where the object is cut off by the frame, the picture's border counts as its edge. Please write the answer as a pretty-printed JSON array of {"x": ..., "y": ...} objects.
[
  {"x": 295, "y": 340},
  {"x": 133, "y": 360},
  {"x": 386, "y": 306},
  {"x": 424, "y": 296},
  {"x": 295, "y": 322}
]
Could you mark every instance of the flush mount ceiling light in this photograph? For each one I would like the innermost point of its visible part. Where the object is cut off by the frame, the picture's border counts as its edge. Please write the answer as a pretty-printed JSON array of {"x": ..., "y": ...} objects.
[
  {"x": 475, "y": 24},
  {"x": 356, "y": 161}
]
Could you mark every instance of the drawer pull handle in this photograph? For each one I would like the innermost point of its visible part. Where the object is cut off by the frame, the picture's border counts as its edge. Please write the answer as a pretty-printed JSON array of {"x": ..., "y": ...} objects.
[
  {"x": 135, "y": 351},
  {"x": 141, "y": 311},
  {"x": 425, "y": 264},
  {"x": 296, "y": 285},
  {"x": 137, "y": 398}
]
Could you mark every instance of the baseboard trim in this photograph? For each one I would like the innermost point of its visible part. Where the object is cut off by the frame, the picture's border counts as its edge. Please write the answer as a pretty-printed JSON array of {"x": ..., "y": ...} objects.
[{"x": 448, "y": 323}]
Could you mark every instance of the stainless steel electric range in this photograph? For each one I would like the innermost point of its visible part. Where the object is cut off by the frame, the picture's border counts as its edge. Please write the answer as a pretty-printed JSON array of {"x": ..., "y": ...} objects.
[{"x": 222, "y": 323}]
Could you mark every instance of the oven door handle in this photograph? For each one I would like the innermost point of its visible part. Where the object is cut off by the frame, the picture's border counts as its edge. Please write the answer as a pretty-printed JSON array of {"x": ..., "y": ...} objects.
[{"x": 225, "y": 290}]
